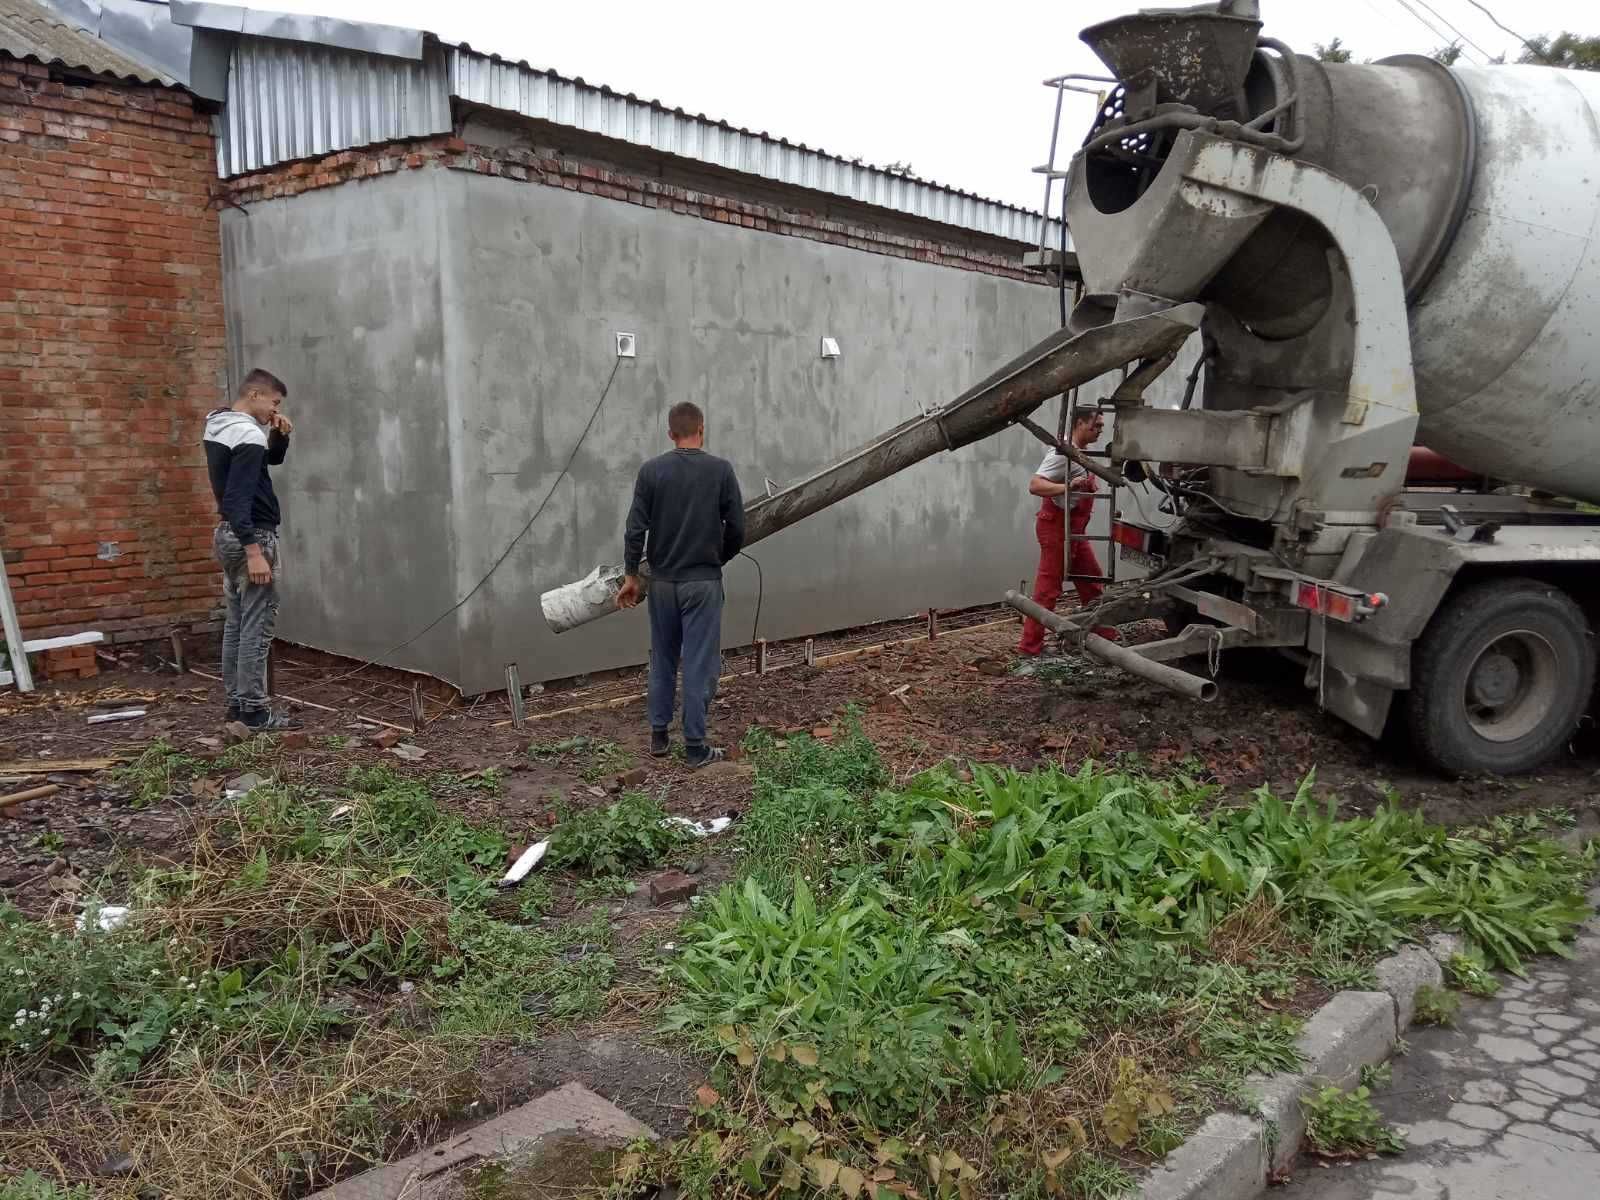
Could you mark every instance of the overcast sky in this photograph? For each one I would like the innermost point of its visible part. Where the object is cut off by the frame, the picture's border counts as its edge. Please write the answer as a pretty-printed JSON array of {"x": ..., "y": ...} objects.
[{"x": 953, "y": 89}]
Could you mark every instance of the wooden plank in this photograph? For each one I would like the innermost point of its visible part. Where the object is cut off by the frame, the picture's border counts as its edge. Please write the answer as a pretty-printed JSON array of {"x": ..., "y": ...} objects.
[
  {"x": 51, "y": 766},
  {"x": 65, "y": 642}
]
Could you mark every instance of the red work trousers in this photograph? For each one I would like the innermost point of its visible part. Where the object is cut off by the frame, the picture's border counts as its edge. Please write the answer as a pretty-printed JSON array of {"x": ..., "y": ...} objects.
[{"x": 1051, "y": 526}]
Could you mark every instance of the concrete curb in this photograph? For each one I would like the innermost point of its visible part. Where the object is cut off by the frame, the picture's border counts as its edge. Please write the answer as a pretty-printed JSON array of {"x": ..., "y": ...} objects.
[{"x": 1232, "y": 1156}]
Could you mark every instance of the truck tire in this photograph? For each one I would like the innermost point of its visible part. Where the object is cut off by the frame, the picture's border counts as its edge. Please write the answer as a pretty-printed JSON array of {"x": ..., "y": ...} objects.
[{"x": 1500, "y": 678}]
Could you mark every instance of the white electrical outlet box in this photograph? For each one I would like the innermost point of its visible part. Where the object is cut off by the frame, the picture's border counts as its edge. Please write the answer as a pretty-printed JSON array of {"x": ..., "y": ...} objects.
[
  {"x": 830, "y": 347},
  {"x": 627, "y": 346}
]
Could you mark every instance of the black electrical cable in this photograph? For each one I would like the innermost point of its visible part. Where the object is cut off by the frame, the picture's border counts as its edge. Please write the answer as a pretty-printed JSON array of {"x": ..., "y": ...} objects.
[
  {"x": 505, "y": 554},
  {"x": 761, "y": 589}
]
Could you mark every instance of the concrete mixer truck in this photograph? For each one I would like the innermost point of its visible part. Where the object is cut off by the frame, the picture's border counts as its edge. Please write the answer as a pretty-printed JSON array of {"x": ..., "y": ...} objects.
[{"x": 1373, "y": 258}]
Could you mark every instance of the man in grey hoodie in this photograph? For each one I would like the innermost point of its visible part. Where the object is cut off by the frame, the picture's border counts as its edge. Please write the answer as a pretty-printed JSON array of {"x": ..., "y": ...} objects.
[{"x": 241, "y": 443}]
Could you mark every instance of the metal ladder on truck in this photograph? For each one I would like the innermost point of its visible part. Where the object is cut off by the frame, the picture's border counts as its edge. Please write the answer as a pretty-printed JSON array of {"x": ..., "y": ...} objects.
[{"x": 1069, "y": 414}]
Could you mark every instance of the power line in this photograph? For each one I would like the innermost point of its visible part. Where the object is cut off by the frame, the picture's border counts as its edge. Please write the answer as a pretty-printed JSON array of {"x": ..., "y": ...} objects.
[
  {"x": 1423, "y": 21},
  {"x": 506, "y": 553},
  {"x": 1512, "y": 32},
  {"x": 1460, "y": 37}
]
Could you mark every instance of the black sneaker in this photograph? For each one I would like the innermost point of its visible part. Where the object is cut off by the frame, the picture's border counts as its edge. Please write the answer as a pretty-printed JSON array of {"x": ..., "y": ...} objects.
[
  {"x": 660, "y": 743},
  {"x": 235, "y": 713},
  {"x": 703, "y": 756},
  {"x": 267, "y": 721}
]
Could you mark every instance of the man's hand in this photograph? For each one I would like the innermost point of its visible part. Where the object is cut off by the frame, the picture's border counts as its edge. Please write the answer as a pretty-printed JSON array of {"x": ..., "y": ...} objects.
[
  {"x": 628, "y": 595},
  {"x": 257, "y": 566},
  {"x": 281, "y": 424}
]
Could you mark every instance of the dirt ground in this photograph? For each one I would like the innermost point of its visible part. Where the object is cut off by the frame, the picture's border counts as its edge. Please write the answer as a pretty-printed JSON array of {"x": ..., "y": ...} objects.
[{"x": 921, "y": 702}]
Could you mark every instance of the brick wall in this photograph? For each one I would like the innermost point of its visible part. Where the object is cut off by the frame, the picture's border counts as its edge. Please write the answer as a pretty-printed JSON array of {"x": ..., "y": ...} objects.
[
  {"x": 111, "y": 352},
  {"x": 731, "y": 203}
]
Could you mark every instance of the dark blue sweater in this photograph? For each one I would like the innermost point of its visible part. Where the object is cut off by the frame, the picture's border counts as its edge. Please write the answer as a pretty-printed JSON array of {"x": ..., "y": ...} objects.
[{"x": 688, "y": 503}]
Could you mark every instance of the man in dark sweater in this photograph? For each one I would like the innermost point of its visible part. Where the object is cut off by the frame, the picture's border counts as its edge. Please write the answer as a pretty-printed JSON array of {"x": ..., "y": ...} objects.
[
  {"x": 240, "y": 443},
  {"x": 687, "y": 503}
]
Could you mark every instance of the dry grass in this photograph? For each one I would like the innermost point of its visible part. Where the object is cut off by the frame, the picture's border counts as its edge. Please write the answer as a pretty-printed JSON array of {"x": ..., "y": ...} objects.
[
  {"x": 245, "y": 923},
  {"x": 1246, "y": 934},
  {"x": 246, "y": 1126}
]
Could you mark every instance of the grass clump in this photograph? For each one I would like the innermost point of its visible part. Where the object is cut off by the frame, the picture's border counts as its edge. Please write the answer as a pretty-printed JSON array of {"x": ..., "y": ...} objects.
[
  {"x": 812, "y": 815},
  {"x": 631, "y": 834},
  {"x": 1436, "y": 1006},
  {"x": 1342, "y": 1124},
  {"x": 156, "y": 773},
  {"x": 1091, "y": 950},
  {"x": 31, "y": 1185},
  {"x": 244, "y": 1032},
  {"x": 1469, "y": 971}
]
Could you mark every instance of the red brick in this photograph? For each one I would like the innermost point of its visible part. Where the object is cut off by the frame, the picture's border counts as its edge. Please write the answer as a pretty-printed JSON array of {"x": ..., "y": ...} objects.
[{"x": 110, "y": 292}]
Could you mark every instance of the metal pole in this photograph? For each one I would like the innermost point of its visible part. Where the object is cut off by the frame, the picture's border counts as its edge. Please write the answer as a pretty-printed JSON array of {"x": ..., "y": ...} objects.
[
  {"x": 1128, "y": 660},
  {"x": 514, "y": 695},
  {"x": 13, "y": 628}
]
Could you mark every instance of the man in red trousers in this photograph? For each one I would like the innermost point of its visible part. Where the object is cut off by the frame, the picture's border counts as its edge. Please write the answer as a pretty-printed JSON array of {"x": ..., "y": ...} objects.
[{"x": 1066, "y": 492}]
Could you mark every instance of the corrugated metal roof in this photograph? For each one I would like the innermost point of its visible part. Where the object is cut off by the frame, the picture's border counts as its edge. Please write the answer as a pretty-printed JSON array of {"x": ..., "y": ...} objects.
[
  {"x": 517, "y": 87},
  {"x": 291, "y": 100},
  {"x": 30, "y": 30}
]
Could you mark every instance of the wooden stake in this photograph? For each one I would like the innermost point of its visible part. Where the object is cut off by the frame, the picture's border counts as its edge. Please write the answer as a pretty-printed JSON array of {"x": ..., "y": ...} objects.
[
  {"x": 811, "y": 653},
  {"x": 761, "y": 656},
  {"x": 514, "y": 694},
  {"x": 180, "y": 653},
  {"x": 416, "y": 706},
  {"x": 933, "y": 624},
  {"x": 37, "y": 793}
]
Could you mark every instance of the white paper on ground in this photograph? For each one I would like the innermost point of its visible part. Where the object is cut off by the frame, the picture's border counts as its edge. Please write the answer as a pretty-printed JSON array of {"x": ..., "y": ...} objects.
[
  {"x": 109, "y": 917},
  {"x": 528, "y": 860},
  {"x": 701, "y": 829}
]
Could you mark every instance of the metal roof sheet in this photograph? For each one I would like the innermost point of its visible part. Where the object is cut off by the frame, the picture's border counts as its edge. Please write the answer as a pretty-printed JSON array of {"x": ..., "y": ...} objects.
[
  {"x": 291, "y": 100},
  {"x": 31, "y": 30},
  {"x": 496, "y": 82}
]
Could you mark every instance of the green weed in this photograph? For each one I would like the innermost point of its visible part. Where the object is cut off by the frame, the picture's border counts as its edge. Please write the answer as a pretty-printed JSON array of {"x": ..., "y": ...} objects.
[
  {"x": 249, "y": 755},
  {"x": 1469, "y": 972},
  {"x": 812, "y": 814},
  {"x": 1342, "y": 1124},
  {"x": 625, "y": 836},
  {"x": 1254, "y": 1045},
  {"x": 155, "y": 774},
  {"x": 31, "y": 1185},
  {"x": 1436, "y": 1006}
]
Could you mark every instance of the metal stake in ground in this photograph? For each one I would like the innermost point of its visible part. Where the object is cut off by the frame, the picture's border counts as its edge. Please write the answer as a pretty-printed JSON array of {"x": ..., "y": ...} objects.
[{"x": 514, "y": 695}]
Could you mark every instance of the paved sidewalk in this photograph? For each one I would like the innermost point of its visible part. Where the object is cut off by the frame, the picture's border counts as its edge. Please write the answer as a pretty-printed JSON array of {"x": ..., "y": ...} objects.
[{"x": 1507, "y": 1104}]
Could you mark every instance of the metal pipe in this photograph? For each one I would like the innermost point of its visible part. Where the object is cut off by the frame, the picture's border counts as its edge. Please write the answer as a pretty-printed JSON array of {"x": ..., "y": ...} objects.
[
  {"x": 1061, "y": 361},
  {"x": 1128, "y": 660}
]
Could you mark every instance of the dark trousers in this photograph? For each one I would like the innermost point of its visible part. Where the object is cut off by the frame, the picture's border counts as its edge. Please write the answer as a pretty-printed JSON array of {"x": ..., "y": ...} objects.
[
  {"x": 686, "y": 629},
  {"x": 251, "y": 613}
]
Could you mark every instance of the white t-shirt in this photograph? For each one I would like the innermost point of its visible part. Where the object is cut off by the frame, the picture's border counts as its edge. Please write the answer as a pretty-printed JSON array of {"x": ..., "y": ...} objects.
[{"x": 1058, "y": 468}]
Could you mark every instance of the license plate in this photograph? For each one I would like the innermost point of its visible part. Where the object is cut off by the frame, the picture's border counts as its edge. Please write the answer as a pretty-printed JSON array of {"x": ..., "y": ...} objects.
[{"x": 1149, "y": 562}]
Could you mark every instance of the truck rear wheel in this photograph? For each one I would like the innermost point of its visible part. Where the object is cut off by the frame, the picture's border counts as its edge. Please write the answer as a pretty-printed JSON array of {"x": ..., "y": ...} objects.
[{"x": 1500, "y": 678}]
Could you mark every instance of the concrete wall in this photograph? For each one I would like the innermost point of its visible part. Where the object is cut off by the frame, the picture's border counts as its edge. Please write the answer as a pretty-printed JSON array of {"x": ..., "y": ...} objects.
[
  {"x": 448, "y": 334},
  {"x": 338, "y": 293}
]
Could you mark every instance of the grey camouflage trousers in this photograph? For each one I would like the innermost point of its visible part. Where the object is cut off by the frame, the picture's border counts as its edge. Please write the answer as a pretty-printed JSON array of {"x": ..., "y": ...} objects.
[{"x": 252, "y": 611}]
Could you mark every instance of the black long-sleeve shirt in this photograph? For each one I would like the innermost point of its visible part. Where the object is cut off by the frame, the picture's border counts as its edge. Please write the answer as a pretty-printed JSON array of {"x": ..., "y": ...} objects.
[
  {"x": 688, "y": 503},
  {"x": 238, "y": 453}
]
